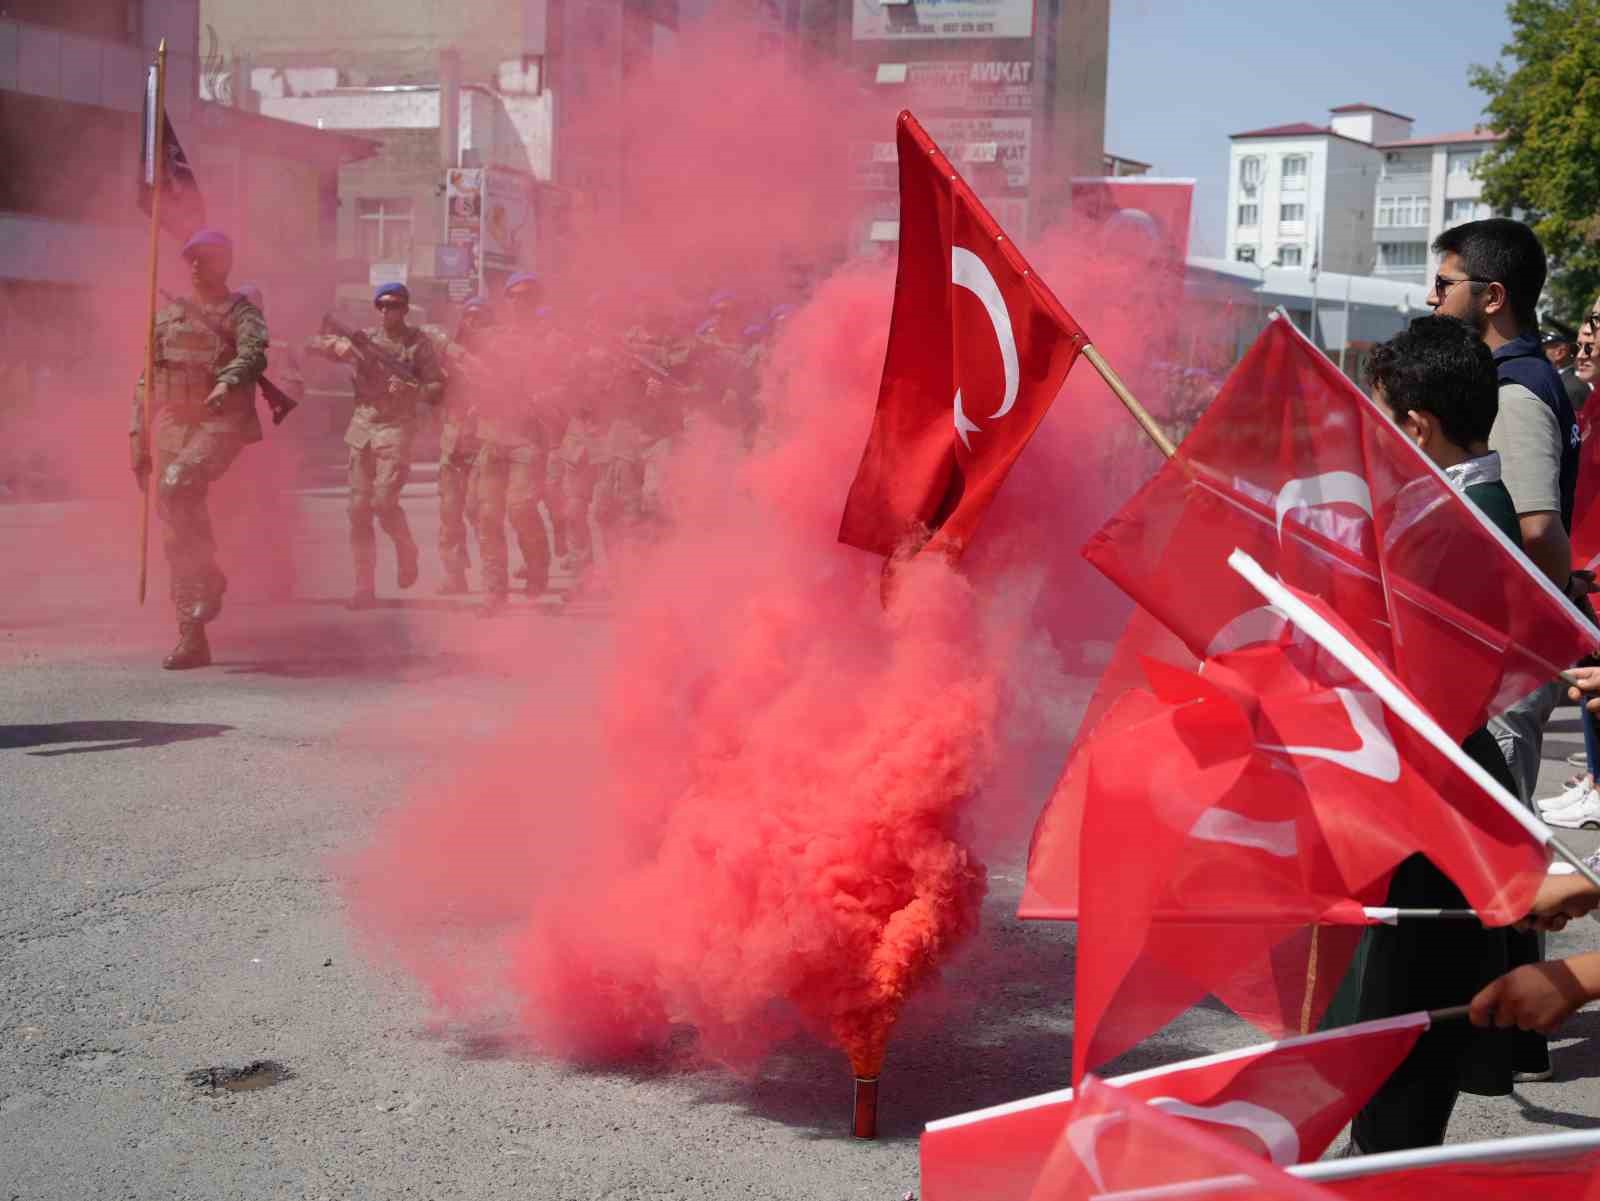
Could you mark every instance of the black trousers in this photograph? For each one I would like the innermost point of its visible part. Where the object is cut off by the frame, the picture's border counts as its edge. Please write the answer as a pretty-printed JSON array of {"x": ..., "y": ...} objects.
[{"x": 1430, "y": 965}]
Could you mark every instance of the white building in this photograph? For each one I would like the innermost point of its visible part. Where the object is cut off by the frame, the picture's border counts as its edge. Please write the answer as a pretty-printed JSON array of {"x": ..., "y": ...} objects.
[
  {"x": 1426, "y": 186},
  {"x": 1302, "y": 195}
]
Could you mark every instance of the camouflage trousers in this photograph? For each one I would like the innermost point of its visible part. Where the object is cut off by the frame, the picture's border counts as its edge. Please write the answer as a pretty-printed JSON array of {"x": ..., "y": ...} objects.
[
  {"x": 572, "y": 491},
  {"x": 186, "y": 467},
  {"x": 510, "y": 483},
  {"x": 377, "y": 473},
  {"x": 458, "y": 507}
]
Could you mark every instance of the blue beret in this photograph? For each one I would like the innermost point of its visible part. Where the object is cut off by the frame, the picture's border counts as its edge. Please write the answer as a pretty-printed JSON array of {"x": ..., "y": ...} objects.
[
  {"x": 521, "y": 279},
  {"x": 207, "y": 239},
  {"x": 399, "y": 290},
  {"x": 722, "y": 298},
  {"x": 754, "y": 331},
  {"x": 477, "y": 302},
  {"x": 780, "y": 313}
]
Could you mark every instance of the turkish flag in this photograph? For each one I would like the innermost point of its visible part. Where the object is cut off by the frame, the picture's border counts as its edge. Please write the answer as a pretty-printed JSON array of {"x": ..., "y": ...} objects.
[
  {"x": 1270, "y": 794},
  {"x": 1295, "y": 466},
  {"x": 978, "y": 349},
  {"x": 1551, "y": 1167},
  {"x": 1586, "y": 514},
  {"x": 1284, "y": 1101},
  {"x": 1112, "y": 1143}
]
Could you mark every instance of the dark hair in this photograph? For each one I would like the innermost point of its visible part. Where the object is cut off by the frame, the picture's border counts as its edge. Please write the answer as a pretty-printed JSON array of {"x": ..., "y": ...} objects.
[
  {"x": 1439, "y": 365},
  {"x": 1505, "y": 252}
]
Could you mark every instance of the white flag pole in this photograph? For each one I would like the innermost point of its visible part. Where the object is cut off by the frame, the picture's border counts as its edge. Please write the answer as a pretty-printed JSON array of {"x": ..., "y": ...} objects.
[
  {"x": 1536, "y": 1146},
  {"x": 1345, "y": 653}
]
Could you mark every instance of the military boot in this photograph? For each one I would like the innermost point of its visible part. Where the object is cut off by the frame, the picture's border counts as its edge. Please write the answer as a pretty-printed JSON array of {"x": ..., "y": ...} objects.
[
  {"x": 406, "y": 570},
  {"x": 192, "y": 650},
  {"x": 455, "y": 584},
  {"x": 362, "y": 598}
]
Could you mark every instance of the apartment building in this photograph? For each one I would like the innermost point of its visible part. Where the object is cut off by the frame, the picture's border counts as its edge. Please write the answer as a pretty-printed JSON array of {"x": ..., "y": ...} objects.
[{"x": 1426, "y": 185}]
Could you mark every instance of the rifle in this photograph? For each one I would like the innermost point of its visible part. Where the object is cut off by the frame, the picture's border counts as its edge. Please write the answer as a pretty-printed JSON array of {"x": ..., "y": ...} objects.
[
  {"x": 661, "y": 373},
  {"x": 369, "y": 350},
  {"x": 279, "y": 401}
]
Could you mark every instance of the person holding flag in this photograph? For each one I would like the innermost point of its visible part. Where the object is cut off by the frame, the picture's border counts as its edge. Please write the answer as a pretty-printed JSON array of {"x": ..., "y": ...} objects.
[{"x": 208, "y": 354}]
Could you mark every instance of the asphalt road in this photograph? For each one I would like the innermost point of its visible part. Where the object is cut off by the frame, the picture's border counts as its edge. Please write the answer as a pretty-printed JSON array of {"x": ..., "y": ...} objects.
[{"x": 169, "y": 853}]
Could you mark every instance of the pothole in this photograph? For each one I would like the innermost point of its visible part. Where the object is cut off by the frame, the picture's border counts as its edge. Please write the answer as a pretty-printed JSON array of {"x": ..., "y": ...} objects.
[{"x": 253, "y": 1077}]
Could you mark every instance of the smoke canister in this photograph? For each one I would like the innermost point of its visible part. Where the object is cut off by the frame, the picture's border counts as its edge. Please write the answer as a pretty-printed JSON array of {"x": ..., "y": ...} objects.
[{"x": 866, "y": 1121}]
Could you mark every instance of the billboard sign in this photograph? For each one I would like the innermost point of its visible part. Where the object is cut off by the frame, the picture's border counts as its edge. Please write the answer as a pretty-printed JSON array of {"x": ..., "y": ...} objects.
[
  {"x": 969, "y": 87},
  {"x": 876, "y": 20}
]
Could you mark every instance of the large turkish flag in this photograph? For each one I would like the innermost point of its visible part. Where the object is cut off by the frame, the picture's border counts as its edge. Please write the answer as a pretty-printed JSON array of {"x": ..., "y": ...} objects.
[{"x": 978, "y": 348}]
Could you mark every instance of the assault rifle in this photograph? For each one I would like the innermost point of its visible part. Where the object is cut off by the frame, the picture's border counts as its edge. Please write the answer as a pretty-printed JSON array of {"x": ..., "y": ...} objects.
[
  {"x": 369, "y": 350},
  {"x": 279, "y": 401}
]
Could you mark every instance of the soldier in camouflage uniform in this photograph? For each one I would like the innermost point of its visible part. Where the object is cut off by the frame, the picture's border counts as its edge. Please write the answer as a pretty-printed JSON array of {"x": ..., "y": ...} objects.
[
  {"x": 381, "y": 431},
  {"x": 459, "y": 443},
  {"x": 202, "y": 402},
  {"x": 514, "y": 426}
]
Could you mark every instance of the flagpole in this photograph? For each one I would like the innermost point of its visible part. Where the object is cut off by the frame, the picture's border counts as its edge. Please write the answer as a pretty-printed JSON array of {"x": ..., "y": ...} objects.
[
  {"x": 157, "y": 151},
  {"x": 1137, "y": 410}
]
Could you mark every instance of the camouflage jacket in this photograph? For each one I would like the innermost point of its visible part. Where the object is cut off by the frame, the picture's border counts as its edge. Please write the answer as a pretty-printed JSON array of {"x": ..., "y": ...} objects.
[
  {"x": 522, "y": 408},
  {"x": 191, "y": 359},
  {"x": 386, "y": 407}
]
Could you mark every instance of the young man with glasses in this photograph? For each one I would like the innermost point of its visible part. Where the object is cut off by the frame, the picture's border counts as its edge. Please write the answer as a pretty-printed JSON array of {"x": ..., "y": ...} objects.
[
  {"x": 381, "y": 432},
  {"x": 1490, "y": 276}
]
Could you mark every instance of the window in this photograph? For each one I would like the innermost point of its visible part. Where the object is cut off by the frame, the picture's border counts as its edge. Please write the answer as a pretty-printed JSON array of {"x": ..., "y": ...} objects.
[
  {"x": 1294, "y": 172},
  {"x": 1457, "y": 211},
  {"x": 1249, "y": 214},
  {"x": 1245, "y": 254},
  {"x": 1249, "y": 173},
  {"x": 1402, "y": 256},
  {"x": 1292, "y": 214},
  {"x": 1464, "y": 162},
  {"x": 384, "y": 227},
  {"x": 1290, "y": 256},
  {"x": 1404, "y": 211}
]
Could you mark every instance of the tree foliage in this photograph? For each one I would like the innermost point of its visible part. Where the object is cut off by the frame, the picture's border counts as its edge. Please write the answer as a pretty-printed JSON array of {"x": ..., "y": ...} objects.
[{"x": 1544, "y": 97}]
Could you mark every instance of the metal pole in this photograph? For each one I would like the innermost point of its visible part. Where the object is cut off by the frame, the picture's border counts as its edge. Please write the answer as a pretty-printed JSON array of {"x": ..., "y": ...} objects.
[{"x": 155, "y": 168}]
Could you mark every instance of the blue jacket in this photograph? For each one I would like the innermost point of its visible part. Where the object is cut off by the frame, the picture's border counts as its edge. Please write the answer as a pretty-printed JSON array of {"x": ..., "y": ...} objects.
[{"x": 1522, "y": 361}]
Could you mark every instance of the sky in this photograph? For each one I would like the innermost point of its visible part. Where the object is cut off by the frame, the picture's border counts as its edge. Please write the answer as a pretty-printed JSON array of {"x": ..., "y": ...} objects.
[{"x": 1184, "y": 74}]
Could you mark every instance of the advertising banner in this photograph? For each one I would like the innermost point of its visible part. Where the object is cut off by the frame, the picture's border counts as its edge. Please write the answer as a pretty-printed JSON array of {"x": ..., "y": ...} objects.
[{"x": 875, "y": 20}]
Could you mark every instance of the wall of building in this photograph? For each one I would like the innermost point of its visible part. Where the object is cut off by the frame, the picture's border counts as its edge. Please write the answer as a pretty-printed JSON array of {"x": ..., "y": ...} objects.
[
  {"x": 378, "y": 41},
  {"x": 1345, "y": 208}
]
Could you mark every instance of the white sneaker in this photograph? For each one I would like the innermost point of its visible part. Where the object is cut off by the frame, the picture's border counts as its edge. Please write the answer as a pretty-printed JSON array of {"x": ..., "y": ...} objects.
[
  {"x": 1566, "y": 800},
  {"x": 1585, "y": 813}
]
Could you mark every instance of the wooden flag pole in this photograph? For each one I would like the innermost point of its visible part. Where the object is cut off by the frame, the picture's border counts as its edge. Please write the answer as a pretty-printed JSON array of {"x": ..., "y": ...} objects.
[
  {"x": 157, "y": 152},
  {"x": 1129, "y": 402}
]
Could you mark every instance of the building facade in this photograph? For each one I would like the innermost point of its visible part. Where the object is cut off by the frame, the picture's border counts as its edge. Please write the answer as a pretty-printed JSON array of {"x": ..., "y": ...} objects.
[
  {"x": 1301, "y": 195},
  {"x": 1426, "y": 185},
  {"x": 1012, "y": 90}
]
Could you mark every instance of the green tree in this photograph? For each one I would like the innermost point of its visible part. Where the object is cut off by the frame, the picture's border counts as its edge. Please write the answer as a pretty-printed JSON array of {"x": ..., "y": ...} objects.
[{"x": 1544, "y": 97}]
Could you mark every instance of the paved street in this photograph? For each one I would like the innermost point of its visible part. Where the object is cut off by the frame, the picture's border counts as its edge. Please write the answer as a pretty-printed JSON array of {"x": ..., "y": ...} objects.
[{"x": 170, "y": 850}]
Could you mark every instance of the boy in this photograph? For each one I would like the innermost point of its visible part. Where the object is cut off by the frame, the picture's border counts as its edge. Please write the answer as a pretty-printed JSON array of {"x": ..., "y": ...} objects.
[{"x": 1438, "y": 380}]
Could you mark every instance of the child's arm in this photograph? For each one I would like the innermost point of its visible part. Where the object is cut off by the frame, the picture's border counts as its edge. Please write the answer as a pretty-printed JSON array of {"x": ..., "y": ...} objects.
[{"x": 1539, "y": 996}]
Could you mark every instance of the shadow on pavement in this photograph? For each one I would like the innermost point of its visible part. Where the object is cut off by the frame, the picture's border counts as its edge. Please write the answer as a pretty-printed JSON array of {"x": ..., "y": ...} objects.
[
  {"x": 111, "y": 735},
  {"x": 391, "y": 667}
]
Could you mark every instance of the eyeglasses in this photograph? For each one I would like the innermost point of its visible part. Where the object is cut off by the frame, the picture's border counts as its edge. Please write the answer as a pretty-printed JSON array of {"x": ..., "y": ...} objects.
[
  {"x": 1592, "y": 321},
  {"x": 1441, "y": 285},
  {"x": 1585, "y": 349}
]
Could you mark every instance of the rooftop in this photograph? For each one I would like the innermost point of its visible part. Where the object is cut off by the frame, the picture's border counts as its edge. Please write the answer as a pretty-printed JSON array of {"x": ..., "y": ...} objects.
[
  {"x": 1298, "y": 129},
  {"x": 1480, "y": 134},
  {"x": 1370, "y": 108}
]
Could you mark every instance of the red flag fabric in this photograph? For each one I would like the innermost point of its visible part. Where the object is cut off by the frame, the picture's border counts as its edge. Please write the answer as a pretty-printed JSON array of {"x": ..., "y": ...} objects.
[
  {"x": 1112, "y": 1143},
  {"x": 978, "y": 348},
  {"x": 1284, "y": 1101},
  {"x": 1586, "y": 514},
  {"x": 1295, "y": 466},
  {"x": 1269, "y": 795},
  {"x": 1551, "y": 1167}
]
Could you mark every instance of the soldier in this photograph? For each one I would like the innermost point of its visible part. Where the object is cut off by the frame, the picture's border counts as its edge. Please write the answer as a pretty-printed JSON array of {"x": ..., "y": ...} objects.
[
  {"x": 202, "y": 409},
  {"x": 459, "y": 443},
  {"x": 512, "y": 463},
  {"x": 395, "y": 368}
]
